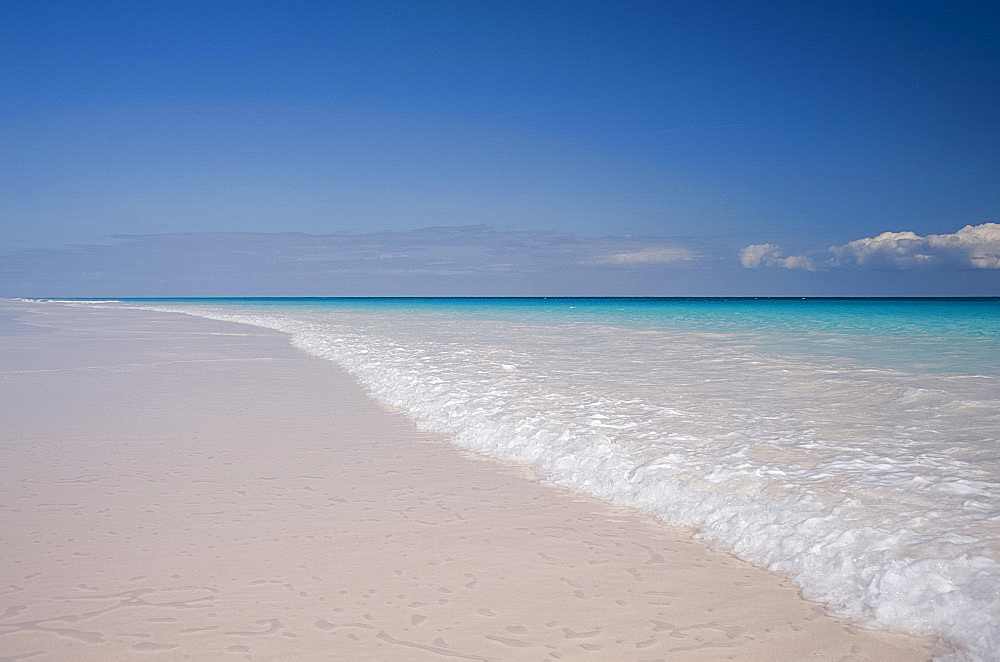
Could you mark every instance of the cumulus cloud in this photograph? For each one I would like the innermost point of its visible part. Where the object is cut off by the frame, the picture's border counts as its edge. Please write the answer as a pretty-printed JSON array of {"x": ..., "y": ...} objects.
[
  {"x": 769, "y": 255},
  {"x": 972, "y": 247},
  {"x": 756, "y": 255}
]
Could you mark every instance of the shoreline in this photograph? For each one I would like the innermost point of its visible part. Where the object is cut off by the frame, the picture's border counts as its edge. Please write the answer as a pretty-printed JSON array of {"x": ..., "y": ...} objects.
[{"x": 188, "y": 487}]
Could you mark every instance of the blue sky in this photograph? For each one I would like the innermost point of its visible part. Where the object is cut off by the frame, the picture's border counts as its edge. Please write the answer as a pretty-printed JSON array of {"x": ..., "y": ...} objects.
[{"x": 627, "y": 148}]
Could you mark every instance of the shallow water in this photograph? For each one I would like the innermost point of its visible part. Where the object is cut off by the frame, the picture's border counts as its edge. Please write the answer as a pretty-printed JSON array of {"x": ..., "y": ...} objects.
[{"x": 851, "y": 444}]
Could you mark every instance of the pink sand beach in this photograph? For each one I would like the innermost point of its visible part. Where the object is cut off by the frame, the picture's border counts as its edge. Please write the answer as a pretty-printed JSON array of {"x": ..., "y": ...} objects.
[{"x": 174, "y": 488}]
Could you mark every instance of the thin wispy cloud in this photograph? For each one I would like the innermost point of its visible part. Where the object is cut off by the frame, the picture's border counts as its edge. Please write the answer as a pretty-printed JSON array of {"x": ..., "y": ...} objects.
[
  {"x": 449, "y": 260},
  {"x": 671, "y": 254},
  {"x": 972, "y": 247}
]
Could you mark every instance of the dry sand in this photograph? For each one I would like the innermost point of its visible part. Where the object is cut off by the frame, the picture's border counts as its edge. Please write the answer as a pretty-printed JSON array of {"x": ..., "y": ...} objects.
[{"x": 175, "y": 488}]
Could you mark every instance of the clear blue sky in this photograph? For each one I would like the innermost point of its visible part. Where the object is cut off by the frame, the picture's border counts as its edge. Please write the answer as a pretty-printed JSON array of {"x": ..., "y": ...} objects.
[{"x": 703, "y": 127}]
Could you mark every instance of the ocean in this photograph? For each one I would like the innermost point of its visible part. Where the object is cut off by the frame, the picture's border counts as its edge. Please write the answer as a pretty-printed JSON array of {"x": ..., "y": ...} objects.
[{"x": 851, "y": 444}]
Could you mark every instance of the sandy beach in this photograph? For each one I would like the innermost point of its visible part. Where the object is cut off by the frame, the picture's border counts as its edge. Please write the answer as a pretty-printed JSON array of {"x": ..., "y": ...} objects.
[{"x": 176, "y": 488}]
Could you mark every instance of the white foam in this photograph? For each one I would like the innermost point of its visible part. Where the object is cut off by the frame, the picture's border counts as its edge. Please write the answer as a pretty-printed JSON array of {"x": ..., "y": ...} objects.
[{"x": 877, "y": 491}]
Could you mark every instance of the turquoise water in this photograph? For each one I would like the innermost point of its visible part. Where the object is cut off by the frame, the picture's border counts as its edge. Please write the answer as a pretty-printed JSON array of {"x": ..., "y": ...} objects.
[
  {"x": 959, "y": 335},
  {"x": 851, "y": 444}
]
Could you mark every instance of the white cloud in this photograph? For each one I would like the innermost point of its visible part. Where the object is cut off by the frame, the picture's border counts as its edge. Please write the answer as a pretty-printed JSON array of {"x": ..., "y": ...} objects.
[
  {"x": 650, "y": 255},
  {"x": 756, "y": 255},
  {"x": 769, "y": 255},
  {"x": 797, "y": 262},
  {"x": 979, "y": 244},
  {"x": 974, "y": 246},
  {"x": 899, "y": 249}
]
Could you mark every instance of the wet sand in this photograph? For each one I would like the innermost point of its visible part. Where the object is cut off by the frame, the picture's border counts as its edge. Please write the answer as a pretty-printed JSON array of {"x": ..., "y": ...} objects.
[{"x": 174, "y": 488}]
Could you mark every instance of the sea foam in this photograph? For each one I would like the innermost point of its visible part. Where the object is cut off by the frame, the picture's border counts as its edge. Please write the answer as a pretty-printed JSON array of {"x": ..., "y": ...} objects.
[{"x": 877, "y": 490}]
